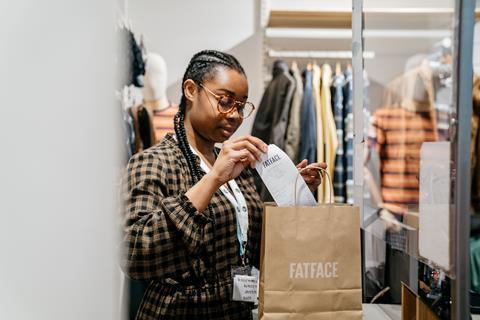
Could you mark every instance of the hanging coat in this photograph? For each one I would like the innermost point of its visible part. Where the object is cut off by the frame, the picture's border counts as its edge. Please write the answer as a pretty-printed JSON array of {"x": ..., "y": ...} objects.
[
  {"x": 271, "y": 121},
  {"x": 292, "y": 140},
  {"x": 329, "y": 130},
  {"x": 308, "y": 129}
]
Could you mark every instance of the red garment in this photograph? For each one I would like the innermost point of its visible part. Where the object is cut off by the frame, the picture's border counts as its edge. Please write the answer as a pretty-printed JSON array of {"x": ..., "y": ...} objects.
[
  {"x": 397, "y": 134},
  {"x": 163, "y": 121}
]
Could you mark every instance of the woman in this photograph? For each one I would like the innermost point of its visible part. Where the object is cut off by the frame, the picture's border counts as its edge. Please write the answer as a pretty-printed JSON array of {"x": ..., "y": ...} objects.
[{"x": 185, "y": 199}]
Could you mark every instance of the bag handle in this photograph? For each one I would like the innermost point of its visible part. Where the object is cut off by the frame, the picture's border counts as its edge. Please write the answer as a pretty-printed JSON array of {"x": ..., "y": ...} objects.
[{"x": 321, "y": 170}]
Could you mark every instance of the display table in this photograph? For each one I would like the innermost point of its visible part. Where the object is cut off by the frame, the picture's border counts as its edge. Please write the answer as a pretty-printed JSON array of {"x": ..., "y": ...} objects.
[
  {"x": 371, "y": 312},
  {"x": 379, "y": 312},
  {"x": 382, "y": 311}
]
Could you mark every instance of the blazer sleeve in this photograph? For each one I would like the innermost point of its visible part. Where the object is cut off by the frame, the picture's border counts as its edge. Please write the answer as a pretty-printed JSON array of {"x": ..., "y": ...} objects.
[{"x": 155, "y": 220}]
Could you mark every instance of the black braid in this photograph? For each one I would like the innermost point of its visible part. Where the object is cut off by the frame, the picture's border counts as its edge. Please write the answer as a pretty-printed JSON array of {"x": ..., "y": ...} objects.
[
  {"x": 185, "y": 147},
  {"x": 203, "y": 66}
]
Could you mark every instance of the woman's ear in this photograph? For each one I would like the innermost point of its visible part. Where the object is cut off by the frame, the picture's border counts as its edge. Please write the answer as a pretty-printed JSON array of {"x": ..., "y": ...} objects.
[{"x": 190, "y": 89}]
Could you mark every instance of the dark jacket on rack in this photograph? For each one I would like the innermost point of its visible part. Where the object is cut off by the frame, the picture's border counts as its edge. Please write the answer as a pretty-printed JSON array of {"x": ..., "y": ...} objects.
[
  {"x": 308, "y": 131},
  {"x": 271, "y": 120}
]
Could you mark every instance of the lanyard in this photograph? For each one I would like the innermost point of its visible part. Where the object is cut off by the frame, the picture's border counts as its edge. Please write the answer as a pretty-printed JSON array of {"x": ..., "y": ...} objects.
[{"x": 238, "y": 202}]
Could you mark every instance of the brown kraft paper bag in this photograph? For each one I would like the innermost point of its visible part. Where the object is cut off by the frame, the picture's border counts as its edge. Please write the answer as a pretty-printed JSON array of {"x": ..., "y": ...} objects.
[{"x": 310, "y": 263}]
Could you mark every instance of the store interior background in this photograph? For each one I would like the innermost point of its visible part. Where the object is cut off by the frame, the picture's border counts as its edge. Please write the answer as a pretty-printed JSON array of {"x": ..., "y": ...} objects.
[
  {"x": 60, "y": 124},
  {"x": 244, "y": 30},
  {"x": 236, "y": 27}
]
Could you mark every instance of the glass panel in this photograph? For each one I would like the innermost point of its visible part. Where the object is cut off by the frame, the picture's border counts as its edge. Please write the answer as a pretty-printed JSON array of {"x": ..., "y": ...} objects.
[
  {"x": 475, "y": 149},
  {"x": 408, "y": 109}
]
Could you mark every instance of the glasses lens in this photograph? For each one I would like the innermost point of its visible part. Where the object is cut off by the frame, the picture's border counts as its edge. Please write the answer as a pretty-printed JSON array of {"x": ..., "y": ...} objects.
[
  {"x": 246, "y": 110},
  {"x": 226, "y": 103}
]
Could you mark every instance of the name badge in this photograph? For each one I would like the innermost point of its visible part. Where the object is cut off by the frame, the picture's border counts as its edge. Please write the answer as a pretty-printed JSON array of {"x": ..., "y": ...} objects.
[
  {"x": 245, "y": 288},
  {"x": 245, "y": 284}
]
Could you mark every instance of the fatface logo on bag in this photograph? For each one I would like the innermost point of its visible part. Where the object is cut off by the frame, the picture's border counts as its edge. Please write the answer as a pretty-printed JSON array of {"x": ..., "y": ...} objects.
[{"x": 313, "y": 270}]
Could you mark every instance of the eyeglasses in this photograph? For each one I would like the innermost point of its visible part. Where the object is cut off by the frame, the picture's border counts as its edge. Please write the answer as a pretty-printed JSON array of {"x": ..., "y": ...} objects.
[{"x": 226, "y": 104}]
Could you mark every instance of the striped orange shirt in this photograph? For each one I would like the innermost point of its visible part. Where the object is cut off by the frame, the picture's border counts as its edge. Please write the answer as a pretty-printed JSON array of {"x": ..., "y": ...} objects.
[
  {"x": 397, "y": 135},
  {"x": 163, "y": 121}
]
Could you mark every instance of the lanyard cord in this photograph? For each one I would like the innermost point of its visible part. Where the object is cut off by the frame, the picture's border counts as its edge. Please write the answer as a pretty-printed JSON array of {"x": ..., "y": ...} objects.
[{"x": 238, "y": 201}]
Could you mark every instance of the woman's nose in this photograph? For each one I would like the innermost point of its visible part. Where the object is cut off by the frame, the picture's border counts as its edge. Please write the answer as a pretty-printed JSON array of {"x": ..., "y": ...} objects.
[{"x": 234, "y": 114}]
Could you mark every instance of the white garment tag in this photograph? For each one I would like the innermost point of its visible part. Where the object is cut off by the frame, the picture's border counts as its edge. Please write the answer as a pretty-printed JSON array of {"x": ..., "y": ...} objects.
[
  {"x": 245, "y": 288},
  {"x": 279, "y": 175}
]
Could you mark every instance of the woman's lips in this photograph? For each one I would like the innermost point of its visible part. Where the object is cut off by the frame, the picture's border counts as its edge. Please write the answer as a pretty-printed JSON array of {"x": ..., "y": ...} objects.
[{"x": 227, "y": 132}]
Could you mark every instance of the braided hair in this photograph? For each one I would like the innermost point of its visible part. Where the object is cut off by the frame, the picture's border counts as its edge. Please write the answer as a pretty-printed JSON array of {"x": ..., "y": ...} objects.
[{"x": 203, "y": 66}]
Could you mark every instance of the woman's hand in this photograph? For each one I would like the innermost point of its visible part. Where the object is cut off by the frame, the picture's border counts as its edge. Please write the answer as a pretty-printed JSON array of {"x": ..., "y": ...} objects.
[
  {"x": 311, "y": 176},
  {"x": 236, "y": 155}
]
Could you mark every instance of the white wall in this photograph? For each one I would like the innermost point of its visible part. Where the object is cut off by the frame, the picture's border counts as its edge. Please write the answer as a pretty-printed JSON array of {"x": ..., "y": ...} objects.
[
  {"x": 178, "y": 29},
  {"x": 59, "y": 157}
]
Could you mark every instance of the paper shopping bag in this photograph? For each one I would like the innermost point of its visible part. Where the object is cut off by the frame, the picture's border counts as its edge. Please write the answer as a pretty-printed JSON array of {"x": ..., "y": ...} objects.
[{"x": 311, "y": 263}]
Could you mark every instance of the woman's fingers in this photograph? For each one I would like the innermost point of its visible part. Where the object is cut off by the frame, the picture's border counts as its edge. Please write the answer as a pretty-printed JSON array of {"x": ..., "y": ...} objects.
[
  {"x": 243, "y": 155},
  {"x": 322, "y": 165},
  {"x": 259, "y": 144},
  {"x": 312, "y": 179},
  {"x": 309, "y": 179},
  {"x": 245, "y": 144},
  {"x": 311, "y": 172},
  {"x": 302, "y": 164},
  {"x": 237, "y": 155},
  {"x": 252, "y": 147}
]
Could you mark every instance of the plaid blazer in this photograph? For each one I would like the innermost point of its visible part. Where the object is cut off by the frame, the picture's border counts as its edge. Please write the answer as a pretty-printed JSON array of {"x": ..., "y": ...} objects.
[{"x": 171, "y": 244}]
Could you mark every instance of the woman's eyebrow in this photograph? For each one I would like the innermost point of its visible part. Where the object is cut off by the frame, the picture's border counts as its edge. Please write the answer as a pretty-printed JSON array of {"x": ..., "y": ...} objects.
[
  {"x": 227, "y": 91},
  {"x": 231, "y": 93}
]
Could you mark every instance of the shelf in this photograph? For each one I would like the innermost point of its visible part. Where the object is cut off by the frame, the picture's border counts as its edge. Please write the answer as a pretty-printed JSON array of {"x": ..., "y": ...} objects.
[
  {"x": 394, "y": 18},
  {"x": 310, "y": 19}
]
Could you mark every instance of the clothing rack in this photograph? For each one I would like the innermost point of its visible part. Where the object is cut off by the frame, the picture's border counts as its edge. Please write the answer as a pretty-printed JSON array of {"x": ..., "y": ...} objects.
[{"x": 343, "y": 54}]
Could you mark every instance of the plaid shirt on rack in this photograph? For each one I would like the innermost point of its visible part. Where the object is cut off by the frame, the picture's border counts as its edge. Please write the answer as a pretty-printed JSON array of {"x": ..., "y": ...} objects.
[
  {"x": 171, "y": 244},
  {"x": 339, "y": 172},
  {"x": 348, "y": 134}
]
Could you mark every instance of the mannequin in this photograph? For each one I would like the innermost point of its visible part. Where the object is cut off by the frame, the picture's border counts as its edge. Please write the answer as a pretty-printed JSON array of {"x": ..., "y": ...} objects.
[
  {"x": 154, "y": 90},
  {"x": 155, "y": 96}
]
